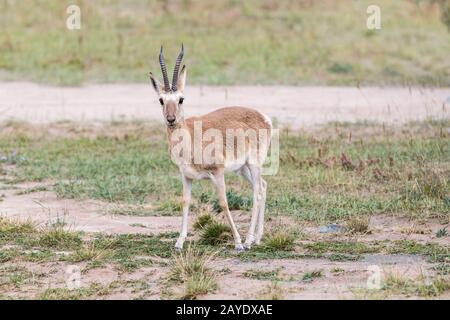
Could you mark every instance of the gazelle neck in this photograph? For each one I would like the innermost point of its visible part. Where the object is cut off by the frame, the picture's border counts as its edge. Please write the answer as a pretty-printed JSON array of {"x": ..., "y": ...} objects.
[{"x": 180, "y": 125}]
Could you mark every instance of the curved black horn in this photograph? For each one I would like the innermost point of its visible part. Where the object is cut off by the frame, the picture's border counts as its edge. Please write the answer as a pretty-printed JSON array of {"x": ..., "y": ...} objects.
[
  {"x": 164, "y": 70},
  {"x": 177, "y": 69}
]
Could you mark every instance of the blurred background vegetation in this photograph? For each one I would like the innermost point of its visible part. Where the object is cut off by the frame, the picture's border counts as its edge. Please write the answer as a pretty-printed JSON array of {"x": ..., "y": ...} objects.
[{"x": 293, "y": 42}]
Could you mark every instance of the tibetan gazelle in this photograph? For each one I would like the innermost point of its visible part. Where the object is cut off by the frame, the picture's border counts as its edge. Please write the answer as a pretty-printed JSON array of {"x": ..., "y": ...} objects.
[{"x": 232, "y": 139}]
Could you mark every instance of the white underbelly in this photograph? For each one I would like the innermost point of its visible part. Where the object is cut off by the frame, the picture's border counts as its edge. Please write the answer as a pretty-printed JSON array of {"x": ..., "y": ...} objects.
[
  {"x": 234, "y": 165},
  {"x": 192, "y": 173},
  {"x": 195, "y": 174}
]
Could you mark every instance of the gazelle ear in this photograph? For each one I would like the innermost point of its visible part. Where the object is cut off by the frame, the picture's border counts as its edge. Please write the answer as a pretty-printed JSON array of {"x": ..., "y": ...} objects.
[
  {"x": 156, "y": 84},
  {"x": 181, "y": 79}
]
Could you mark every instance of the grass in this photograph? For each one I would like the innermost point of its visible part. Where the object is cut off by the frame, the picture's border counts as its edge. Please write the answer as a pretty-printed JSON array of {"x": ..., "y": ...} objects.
[
  {"x": 130, "y": 251},
  {"x": 32, "y": 190},
  {"x": 170, "y": 207},
  {"x": 353, "y": 249},
  {"x": 358, "y": 224},
  {"x": 191, "y": 268},
  {"x": 272, "y": 275},
  {"x": 419, "y": 286},
  {"x": 16, "y": 276},
  {"x": 337, "y": 270},
  {"x": 212, "y": 232},
  {"x": 342, "y": 247},
  {"x": 235, "y": 202},
  {"x": 13, "y": 226},
  {"x": 274, "y": 291},
  {"x": 216, "y": 233},
  {"x": 441, "y": 233},
  {"x": 127, "y": 252},
  {"x": 397, "y": 171},
  {"x": 431, "y": 184},
  {"x": 94, "y": 289},
  {"x": 129, "y": 210},
  {"x": 414, "y": 228},
  {"x": 279, "y": 240},
  {"x": 227, "y": 42},
  {"x": 311, "y": 275},
  {"x": 91, "y": 252},
  {"x": 433, "y": 251},
  {"x": 203, "y": 221},
  {"x": 443, "y": 269},
  {"x": 60, "y": 238},
  {"x": 388, "y": 174}
]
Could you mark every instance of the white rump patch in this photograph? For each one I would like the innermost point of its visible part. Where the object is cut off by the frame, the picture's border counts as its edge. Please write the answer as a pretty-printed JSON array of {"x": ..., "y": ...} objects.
[{"x": 267, "y": 119}]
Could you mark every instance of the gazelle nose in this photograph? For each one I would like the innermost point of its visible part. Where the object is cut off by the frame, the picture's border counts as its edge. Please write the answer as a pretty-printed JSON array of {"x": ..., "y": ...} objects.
[{"x": 170, "y": 119}]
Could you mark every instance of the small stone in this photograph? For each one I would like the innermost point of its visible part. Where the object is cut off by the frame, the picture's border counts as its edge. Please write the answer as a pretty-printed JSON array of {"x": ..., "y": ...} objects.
[{"x": 331, "y": 228}]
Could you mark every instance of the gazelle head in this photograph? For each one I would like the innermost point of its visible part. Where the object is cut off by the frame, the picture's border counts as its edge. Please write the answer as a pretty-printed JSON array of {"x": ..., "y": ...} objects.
[{"x": 171, "y": 97}]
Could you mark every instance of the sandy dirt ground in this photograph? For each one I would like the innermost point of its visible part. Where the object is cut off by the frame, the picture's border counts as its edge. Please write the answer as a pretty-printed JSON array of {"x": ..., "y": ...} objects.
[
  {"x": 294, "y": 106},
  {"x": 298, "y": 107}
]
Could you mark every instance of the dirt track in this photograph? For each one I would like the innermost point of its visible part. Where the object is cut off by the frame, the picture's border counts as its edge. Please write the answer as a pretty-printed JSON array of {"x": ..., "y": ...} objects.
[{"x": 295, "y": 106}]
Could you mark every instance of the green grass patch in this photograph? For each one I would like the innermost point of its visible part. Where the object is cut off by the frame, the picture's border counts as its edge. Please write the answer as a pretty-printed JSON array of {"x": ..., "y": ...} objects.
[
  {"x": 15, "y": 226},
  {"x": 59, "y": 238},
  {"x": 114, "y": 43},
  {"x": 235, "y": 202},
  {"x": 419, "y": 287},
  {"x": 94, "y": 289},
  {"x": 441, "y": 233},
  {"x": 16, "y": 276},
  {"x": 272, "y": 275},
  {"x": 216, "y": 233},
  {"x": 322, "y": 177},
  {"x": 311, "y": 275},
  {"x": 340, "y": 247},
  {"x": 279, "y": 240},
  {"x": 203, "y": 221},
  {"x": 32, "y": 190}
]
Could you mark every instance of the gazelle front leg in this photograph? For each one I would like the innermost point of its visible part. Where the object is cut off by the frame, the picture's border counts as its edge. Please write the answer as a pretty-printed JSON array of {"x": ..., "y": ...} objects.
[
  {"x": 219, "y": 181},
  {"x": 187, "y": 187}
]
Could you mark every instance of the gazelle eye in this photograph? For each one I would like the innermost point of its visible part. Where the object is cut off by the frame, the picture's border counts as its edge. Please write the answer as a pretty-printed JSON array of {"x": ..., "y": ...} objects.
[
  {"x": 161, "y": 101},
  {"x": 181, "y": 100}
]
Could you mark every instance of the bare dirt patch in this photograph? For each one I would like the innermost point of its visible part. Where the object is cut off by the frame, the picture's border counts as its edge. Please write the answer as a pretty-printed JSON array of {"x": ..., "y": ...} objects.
[{"x": 45, "y": 207}]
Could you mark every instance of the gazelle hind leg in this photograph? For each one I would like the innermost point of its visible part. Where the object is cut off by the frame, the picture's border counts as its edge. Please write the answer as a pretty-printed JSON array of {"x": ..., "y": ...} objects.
[
  {"x": 257, "y": 196},
  {"x": 187, "y": 186},
  {"x": 262, "y": 207},
  {"x": 219, "y": 181}
]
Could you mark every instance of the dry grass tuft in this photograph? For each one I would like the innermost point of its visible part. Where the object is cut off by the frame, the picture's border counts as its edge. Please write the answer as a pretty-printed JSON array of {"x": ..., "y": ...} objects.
[
  {"x": 56, "y": 236},
  {"x": 358, "y": 224},
  {"x": 92, "y": 252},
  {"x": 192, "y": 268},
  {"x": 430, "y": 183},
  {"x": 10, "y": 225},
  {"x": 272, "y": 292},
  {"x": 414, "y": 228}
]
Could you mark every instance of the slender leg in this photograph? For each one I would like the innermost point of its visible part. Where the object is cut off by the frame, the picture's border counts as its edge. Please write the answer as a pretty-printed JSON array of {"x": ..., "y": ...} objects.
[
  {"x": 219, "y": 181},
  {"x": 187, "y": 186},
  {"x": 262, "y": 206},
  {"x": 257, "y": 197}
]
